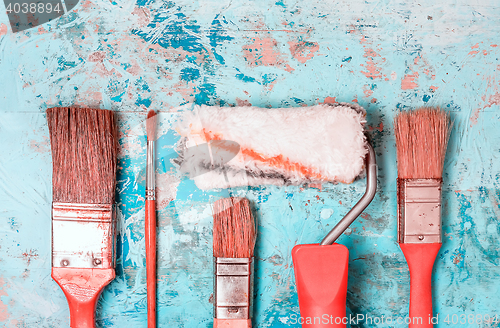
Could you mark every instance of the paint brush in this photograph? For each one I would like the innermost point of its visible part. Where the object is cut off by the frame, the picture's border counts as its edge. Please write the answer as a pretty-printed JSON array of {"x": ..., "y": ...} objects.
[
  {"x": 421, "y": 141},
  {"x": 150, "y": 221},
  {"x": 83, "y": 143},
  {"x": 233, "y": 245}
]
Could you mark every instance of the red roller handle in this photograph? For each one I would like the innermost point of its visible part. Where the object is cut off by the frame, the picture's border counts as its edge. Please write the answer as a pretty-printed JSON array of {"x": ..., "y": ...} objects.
[
  {"x": 82, "y": 288},
  {"x": 232, "y": 323},
  {"x": 321, "y": 278},
  {"x": 420, "y": 259},
  {"x": 150, "y": 227}
]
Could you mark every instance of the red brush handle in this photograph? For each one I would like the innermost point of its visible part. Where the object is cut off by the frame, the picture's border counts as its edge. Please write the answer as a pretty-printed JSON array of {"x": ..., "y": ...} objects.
[
  {"x": 321, "y": 278},
  {"x": 82, "y": 288},
  {"x": 150, "y": 227},
  {"x": 234, "y": 323},
  {"x": 420, "y": 259}
]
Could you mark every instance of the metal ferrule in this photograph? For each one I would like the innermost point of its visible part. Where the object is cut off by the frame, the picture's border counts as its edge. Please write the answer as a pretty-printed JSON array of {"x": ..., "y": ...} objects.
[
  {"x": 233, "y": 288},
  {"x": 150, "y": 172},
  {"x": 419, "y": 210},
  {"x": 83, "y": 235}
]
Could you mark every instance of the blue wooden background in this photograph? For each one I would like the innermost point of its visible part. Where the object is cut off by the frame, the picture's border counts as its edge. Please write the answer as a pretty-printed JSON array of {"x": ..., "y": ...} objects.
[{"x": 130, "y": 56}]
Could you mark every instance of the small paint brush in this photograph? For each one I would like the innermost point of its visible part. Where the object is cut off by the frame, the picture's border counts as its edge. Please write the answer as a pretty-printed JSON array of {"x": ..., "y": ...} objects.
[
  {"x": 421, "y": 141},
  {"x": 233, "y": 242},
  {"x": 150, "y": 221},
  {"x": 83, "y": 144}
]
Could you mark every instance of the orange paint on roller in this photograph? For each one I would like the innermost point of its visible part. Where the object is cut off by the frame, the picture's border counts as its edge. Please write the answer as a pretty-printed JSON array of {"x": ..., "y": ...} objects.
[{"x": 278, "y": 161}]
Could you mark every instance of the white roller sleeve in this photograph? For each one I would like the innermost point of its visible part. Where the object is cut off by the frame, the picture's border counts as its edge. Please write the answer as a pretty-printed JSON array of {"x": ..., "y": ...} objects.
[{"x": 279, "y": 146}]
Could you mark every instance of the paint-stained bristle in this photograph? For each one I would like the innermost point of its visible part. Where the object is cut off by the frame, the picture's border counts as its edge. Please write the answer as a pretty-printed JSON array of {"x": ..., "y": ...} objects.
[
  {"x": 234, "y": 228},
  {"x": 421, "y": 140},
  {"x": 83, "y": 143},
  {"x": 151, "y": 125}
]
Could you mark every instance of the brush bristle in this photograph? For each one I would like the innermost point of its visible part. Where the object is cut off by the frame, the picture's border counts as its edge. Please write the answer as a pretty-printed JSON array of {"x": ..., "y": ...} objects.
[
  {"x": 421, "y": 141},
  {"x": 234, "y": 228},
  {"x": 151, "y": 125},
  {"x": 83, "y": 143}
]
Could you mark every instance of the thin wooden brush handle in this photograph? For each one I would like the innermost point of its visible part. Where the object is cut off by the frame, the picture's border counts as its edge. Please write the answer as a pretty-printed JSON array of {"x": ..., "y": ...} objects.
[
  {"x": 150, "y": 227},
  {"x": 420, "y": 259},
  {"x": 82, "y": 288}
]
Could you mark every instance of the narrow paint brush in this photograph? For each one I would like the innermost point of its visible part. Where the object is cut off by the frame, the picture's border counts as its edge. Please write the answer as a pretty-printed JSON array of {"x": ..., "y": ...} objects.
[
  {"x": 83, "y": 143},
  {"x": 421, "y": 141},
  {"x": 233, "y": 242},
  {"x": 150, "y": 222}
]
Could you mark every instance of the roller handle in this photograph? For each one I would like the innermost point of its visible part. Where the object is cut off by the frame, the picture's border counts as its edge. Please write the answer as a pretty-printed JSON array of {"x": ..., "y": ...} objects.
[
  {"x": 232, "y": 323},
  {"x": 420, "y": 259},
  {"x": 82, "y": 288},
  {"x": 150, "y": 227},
  {"x": 321, "y": 278}
]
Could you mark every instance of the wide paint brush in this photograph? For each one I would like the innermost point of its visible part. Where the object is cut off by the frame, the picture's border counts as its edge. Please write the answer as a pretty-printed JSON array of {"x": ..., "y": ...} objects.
[
  {"x": 83, "y": 143},
  {"x": 233, "y": 245},
  {"x": 150, "y": 221},
  {"x": 421, "y": 140}
]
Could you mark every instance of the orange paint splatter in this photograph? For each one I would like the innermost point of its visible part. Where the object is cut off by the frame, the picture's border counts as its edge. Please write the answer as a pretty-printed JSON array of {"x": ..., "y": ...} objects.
[
  {"x": 3, "y": 29},
  {"x": 379, "y": 127},
  {"x": 264, "y": 52},
  {"x": 303, "y": 51},
  {"x": 475, "y": 46},
  {"x": 241, "y": 102},
  {"x": 372, "y": 71},
  {"x": 143, "y": 14},
  {"x": 433, "y": 88},
  {"x": 368, "y": 92},
  {"x": 408, "y": 82},
  {"x": 330, "y": 100},
  {"x": 492, "y": 100},
  {"x": 97, "y": 56},
  {"x": 475, "y": 52},
  {"x": 4, "y": 314},
  {"x": 317, "y": 186},
  {"x": 135, "y": 69}
]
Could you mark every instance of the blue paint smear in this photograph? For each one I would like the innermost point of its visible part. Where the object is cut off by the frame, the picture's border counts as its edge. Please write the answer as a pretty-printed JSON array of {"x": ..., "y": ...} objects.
[
  {"x": 245, "y": 78},
  {"x": 64, "y": 65},
  {"x": 145, "y": 102},
  {"x": 190, "y": 74},
  {"x": 280, "y": 3},
  {"x": 142, "y": 85},
  {"x": 118, "y": 98},
  {"x": 179, "y": 33},
  {"x": 218, "y": 35},
  {"x": 268, "y": 78},
  {"x": 206, "y": 94}
]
